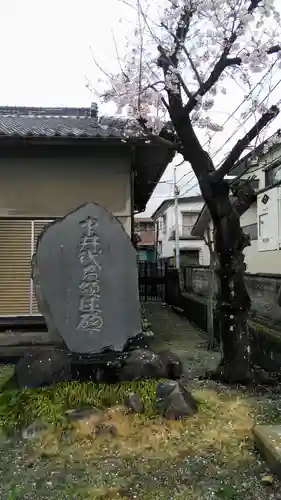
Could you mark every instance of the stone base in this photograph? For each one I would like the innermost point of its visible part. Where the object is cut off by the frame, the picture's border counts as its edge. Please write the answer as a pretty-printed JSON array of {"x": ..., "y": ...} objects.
[
  {"x": 268, "y": 441},
  {"x": 102, "y": 368},
  {"x": 44, "y": 368}
]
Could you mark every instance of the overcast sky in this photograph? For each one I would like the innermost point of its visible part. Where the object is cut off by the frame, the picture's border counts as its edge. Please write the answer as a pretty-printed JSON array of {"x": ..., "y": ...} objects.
[{"x": 46, "y": 61}]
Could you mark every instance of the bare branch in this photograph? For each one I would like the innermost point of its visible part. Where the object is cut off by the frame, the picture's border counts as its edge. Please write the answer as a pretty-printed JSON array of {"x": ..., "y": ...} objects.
[{"x": 239, "y": 147}]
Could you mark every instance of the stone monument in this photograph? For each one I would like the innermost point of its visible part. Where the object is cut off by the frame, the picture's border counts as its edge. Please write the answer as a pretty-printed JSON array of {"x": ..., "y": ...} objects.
[
  {"x": 87, "y": 280},
  {"x": 86, "y": 284}
]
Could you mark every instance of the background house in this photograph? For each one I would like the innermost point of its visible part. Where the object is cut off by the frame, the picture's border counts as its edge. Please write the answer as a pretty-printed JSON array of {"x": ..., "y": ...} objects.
[
  {"x": 145, "y": 230},
  {"x": 263, "y": 219},
  {"x": 193, "y": 249},
  {"x": 53, "y": 160}
]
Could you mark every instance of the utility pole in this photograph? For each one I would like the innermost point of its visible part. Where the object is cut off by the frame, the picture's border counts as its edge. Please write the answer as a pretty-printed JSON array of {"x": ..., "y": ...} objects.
[{"x": 176, "y": 208}]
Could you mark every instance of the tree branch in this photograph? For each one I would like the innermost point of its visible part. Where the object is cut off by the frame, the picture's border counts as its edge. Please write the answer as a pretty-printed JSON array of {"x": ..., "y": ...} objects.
[
  {"x": 157, "y": 139},
  {"x": 243, "y": 143},
  {"x": 165, "y": 61},
  {"x": 237, "y": 61},
  {"x": 244, "y": 199},
  {"x": 182, "y": 46},
  {"x": 223, "y": 62},
  {"x": 192, "y": 66},
  {"x": 181, "y": 32}
]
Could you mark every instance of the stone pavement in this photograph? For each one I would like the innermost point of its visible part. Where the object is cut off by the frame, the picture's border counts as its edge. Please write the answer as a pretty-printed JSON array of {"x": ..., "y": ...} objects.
[
  {"x": 268, "y": 442},
  {"x": 173, "y": 331}
]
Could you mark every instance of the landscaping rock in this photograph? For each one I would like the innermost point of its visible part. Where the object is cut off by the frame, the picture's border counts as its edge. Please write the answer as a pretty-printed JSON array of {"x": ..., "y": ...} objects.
[
  {"x": 34, "y": 430},
  {"x": 142, "y": 364},
  {"x": 172, "y": 364},
  {"x": 173, "y": 400},
  {"x": 83, "y": 413},
  {"x": 134, "y": 402},
  {"x": 106, "y": 430},
  {"x": 43, "y": 368},
  {"x": 148, "y": 333},
  {"x": 138, "y": 342}
]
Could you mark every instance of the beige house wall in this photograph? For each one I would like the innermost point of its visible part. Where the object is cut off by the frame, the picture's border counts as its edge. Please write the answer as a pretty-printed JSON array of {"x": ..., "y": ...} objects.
[{"x": 51, "y": 187}]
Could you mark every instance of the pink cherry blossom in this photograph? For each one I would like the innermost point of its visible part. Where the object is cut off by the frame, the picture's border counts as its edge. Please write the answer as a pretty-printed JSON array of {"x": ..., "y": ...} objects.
[{"x": 245, "y": 29}]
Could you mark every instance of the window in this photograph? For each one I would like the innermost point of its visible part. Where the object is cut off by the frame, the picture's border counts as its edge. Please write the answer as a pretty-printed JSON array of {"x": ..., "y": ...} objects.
[
  {"x": 263, "y": 227},
  {"x": 164, "y": 223},
  {"x": 252, "y": 230},
  {"x": 273, "y": 175}
]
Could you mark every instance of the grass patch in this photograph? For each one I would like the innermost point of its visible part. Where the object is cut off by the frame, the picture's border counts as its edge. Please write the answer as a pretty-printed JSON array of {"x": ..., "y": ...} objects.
[
  {"x": 149, "y": 457},
  {"x": 6, "y": 371},
  {"x": 19, "y": 408},
  {"x": 223, "y": 422}
]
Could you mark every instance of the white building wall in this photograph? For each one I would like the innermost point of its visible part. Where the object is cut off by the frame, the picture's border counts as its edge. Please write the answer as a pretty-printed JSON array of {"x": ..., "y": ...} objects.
[
  {"x": 264, "y": 254},
  {"x": 168, "y": 246}
]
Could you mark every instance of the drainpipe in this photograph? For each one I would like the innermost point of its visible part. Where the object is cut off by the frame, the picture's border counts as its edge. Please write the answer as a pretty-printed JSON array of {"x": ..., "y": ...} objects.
[
  {"x": 176, "y": 209},
  {"x": 157, "y": 240},
  {"x": 132, "y": 191}
]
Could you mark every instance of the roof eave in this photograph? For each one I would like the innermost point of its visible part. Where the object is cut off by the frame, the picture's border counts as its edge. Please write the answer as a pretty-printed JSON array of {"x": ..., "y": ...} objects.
[{"x": 201, "y": 223}]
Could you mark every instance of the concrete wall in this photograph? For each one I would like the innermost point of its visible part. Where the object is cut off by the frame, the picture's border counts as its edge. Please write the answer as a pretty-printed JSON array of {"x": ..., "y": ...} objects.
[
  {"x": 51, "y": 187},
  {"x": 263, "y": 291}
]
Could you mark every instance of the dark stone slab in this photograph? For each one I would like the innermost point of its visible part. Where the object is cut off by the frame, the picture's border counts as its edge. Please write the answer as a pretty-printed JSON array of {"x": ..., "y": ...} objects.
[
  {"x": 172, "y": 364},
  {"x": 142, "y": 364},
  {"x": 103, "y": 368},
  {"x": 86, "y": 280},
  {"x": 34, "y": 430},
  {"x": 134, "y": 403},
  {"x": 137, "y": 342},
  {"x": 83, "y": 413},
  {"x": 174, "y": 401},
  {"x": 43, "y": 368}
]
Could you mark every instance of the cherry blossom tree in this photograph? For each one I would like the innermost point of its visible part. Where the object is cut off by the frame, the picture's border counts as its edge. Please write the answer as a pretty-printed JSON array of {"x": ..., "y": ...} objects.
[{"x": 177, "y": 67}]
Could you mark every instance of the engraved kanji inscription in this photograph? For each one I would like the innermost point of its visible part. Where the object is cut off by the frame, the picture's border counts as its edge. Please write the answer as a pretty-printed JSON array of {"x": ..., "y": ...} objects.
[{"x": 89, "y": 311}]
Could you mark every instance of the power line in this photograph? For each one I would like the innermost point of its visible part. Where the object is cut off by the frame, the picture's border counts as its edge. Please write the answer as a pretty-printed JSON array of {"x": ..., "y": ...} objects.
[
  {"x": 244, "y": 100},
  {"x": 245, "y": 121},
  {"x": 238, "y": 128}
]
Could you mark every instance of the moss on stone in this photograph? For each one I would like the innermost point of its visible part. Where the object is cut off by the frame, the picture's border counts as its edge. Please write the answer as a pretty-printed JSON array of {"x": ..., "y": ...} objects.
[{"x": 265, "y": 331}]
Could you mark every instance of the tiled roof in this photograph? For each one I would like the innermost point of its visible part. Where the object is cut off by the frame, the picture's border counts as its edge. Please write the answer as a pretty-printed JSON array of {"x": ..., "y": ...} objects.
[{"x": 59, "y": 122}]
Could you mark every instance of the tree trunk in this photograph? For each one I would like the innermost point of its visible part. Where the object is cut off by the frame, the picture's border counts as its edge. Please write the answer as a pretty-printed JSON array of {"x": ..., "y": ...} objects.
[
  {"x": 233, "y": 299},
  {"x": 210, "y": 305}
]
